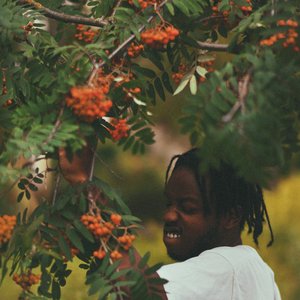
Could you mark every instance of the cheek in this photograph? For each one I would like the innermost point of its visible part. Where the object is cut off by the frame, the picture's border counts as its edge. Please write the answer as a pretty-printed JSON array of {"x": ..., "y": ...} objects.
[{"x": 198, "y": 225}]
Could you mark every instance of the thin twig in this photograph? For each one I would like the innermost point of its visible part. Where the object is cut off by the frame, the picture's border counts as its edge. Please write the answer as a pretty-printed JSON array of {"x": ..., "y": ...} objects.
[
  {"x": 206, "y": 19},
  {"x": 110, "y": 170},
  {"x": 212, "y": 46},
  {"x": 64, "y": 17},
  {"x": 228, "y": 117},
  {"x": 243, "y": 88},
  {"x": 58, "y": 178},
  {"x": 116, "y": 7},
  {"x": 111, "y": 262},
  {"x": 93, "y": 165},
  {"x": 130, "y": 38},
  {"x": 55, "y": 128}
]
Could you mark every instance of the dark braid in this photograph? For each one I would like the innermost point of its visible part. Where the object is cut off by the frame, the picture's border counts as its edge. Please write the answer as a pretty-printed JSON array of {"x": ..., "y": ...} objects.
[{"x": 223, "y": 188}]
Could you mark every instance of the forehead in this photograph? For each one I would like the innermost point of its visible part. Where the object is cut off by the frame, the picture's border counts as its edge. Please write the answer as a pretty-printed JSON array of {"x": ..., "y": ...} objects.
[{"x": 182, "y": 183}]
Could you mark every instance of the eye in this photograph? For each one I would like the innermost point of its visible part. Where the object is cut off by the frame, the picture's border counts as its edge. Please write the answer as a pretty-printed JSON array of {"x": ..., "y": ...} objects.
[{"x": 188, "y": 208}]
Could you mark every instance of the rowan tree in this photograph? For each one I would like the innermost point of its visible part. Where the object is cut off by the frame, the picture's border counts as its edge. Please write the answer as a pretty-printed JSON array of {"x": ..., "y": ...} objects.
[{"x": 77, "y": 73}]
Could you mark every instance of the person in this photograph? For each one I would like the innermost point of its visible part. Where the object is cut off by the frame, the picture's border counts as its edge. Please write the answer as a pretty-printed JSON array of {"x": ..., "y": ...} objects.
[{"x": 204, "y": 219}]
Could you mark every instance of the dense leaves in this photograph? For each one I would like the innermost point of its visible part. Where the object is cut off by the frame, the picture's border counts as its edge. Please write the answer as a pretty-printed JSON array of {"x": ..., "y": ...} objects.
[{"x": 80, "y": 72}]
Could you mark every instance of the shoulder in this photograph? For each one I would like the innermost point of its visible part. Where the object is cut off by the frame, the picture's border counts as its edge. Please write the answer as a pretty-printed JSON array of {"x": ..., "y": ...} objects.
[
  {"x": 220, "y": 273},
  {"x": 199, "y": 277}
]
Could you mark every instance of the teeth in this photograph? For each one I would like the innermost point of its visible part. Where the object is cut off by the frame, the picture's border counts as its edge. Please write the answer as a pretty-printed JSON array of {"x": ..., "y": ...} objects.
[{"x": 173, "y": 235}]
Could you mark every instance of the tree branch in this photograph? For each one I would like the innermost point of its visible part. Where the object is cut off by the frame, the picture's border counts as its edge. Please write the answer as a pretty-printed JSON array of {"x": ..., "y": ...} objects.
[
  {"x": 55, "y": 128},
  {"x": 64, "y": 17},
  {"x": 212, "y": 47},
  {"x": 116, "y": 7},
  {"x": 131, "y": 38},
  {"x": 243, "y": 88}
]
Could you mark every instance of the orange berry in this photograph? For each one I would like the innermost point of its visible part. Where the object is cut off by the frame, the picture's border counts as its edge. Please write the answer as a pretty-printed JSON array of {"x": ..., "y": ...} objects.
[{"x": 116, "y": 219}]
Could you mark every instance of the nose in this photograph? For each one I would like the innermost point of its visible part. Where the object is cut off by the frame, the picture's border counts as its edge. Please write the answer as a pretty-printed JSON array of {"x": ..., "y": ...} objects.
[{"x": 171, "y": 214}]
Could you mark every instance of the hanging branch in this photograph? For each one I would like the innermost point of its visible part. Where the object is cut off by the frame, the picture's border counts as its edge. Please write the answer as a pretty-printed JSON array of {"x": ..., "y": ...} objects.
[{"x": 64, "y": 17}]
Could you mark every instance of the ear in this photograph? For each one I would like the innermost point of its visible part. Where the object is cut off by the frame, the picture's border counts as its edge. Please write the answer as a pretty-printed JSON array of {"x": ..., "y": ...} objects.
[{"x": 232, "y": 219}]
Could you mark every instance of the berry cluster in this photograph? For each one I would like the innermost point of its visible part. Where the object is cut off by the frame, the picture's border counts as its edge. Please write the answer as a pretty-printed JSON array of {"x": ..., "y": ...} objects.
[
  {"x": 103, "y": 80},
  {"x": 208, "y": 65},
  {"x": 159, "y": 36},
  {"x": 120, "y": 129},
  {"x": 96, "y": 225},
  {"x": 124, "y": 78},
  {"x": 105, "y": 231},
  {"x": 287, "y": 38},
  {"x": 182, "y": 68},
  {"x": 7, "y": 224},
  {"x": 130, "y": 93},
  {"x": 4, "y": 92},
  {"x": 27, "y": 28},
  {"x": 134, "y": 50},
  {"x": 145, "y": 3},
  {"x": 126, "y": 240},
  {"x": 89, "y": 103},
  {"x": 84, "y": 33},
  {"x": 26, "y": 280},
  {"x": 246, "y": 9}
]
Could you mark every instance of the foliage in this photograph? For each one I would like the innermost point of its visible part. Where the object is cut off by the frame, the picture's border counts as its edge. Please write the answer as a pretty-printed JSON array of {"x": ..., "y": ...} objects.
[{"x": 85, "y": 77}]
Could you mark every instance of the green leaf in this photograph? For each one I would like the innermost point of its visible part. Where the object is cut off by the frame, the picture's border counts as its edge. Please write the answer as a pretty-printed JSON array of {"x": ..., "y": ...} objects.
[
  {"x": 166, "y": 81},
  {"x": 159, "y": 88},
  {"x": 65, "y": 248},
  {"x": 185, "y": 80},
  {"x": 20, "y": 196},
  {"x": 144, "y": 71},
  {"x": 201, "y": 71},
  {"x": 75, "y": 239},
  {"x": 181, "y": 6},
  {"x": 144, "y": 260},
  {"x": 55, "y": 290},
  {"x": 193, "y": 85},
  {"x": 170, "y": 8},
  {"x": 83, "y": 230}
]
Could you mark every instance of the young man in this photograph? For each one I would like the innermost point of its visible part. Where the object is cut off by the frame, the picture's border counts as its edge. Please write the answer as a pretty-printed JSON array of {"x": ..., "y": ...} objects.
[{"x": 203, "y": 223}]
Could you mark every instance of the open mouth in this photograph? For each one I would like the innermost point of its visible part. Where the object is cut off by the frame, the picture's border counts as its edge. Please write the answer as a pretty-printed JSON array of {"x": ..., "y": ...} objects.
[{"x": 172, "y": 232}]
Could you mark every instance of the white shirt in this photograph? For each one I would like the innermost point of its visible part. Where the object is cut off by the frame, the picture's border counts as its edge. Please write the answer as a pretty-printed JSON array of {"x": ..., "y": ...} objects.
[{"x": 222, "y": 273}]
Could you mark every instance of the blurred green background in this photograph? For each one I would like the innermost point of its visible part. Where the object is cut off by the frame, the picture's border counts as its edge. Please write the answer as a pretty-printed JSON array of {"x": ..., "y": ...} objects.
[{"x": 140, "y": 180}]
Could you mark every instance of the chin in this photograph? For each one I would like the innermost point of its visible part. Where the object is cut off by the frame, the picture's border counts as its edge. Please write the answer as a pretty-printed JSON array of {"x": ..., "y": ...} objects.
[{"x": 178, "y": 256}]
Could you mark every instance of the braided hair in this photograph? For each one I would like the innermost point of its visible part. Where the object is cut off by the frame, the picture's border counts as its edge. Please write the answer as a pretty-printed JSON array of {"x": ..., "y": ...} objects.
[{"x": 226, "y": 190}]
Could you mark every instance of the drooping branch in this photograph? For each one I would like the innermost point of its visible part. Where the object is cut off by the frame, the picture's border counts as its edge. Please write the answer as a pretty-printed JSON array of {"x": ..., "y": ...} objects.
[{"x": 64, "y": 17}]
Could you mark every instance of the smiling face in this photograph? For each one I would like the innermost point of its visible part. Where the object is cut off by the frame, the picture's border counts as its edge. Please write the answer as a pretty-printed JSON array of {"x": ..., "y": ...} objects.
[{"x": 188, "y": 231}]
